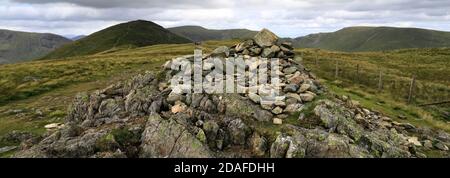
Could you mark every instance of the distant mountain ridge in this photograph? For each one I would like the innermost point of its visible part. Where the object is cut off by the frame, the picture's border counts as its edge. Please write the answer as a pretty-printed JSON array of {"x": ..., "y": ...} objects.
[
  {"x": 79, "y": 37},
  {"x": 353, "y": 39},
  {"x": 198, "y": 33},
  {"x": 125, "y": 35},
  {"x": 16, "y": 46}
]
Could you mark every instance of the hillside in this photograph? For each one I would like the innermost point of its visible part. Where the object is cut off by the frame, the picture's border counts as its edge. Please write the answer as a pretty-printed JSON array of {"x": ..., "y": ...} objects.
[
  {"x": 126, "y": 35},
  {"x": 22, "y": 46},
  {"x": 374, "y": 39},
  {"x": 197, "y": 33}
]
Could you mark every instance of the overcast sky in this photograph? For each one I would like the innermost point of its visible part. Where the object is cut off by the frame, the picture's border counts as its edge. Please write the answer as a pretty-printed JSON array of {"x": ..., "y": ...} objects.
[{"x": 287, "y": 18}]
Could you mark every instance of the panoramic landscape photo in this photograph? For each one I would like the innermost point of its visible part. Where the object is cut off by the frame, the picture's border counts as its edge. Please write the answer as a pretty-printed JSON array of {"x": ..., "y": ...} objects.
[{"x": 224, "y": 79}]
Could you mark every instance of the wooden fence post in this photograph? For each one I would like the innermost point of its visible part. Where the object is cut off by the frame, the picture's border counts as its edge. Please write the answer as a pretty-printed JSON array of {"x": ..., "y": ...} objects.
[
  {"x": 357, "y": 73},
  {"x": 411, "y": 86},
  {"x": 336, "y": 73},
  {"x": 380, "y": 80},
  {"x": 317, "y": 62}
]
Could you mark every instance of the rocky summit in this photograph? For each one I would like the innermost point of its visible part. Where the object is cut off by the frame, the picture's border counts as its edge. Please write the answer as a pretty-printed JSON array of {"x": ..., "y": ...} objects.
[{"x": 144, "y": 117}]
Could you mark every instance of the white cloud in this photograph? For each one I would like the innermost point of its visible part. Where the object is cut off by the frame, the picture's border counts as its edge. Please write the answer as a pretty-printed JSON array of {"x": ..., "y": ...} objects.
[{"x": 285, "y": 17}]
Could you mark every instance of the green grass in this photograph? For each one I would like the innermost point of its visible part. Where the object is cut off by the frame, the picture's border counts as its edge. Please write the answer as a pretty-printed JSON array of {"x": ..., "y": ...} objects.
[{"x": 430, "y": 66}]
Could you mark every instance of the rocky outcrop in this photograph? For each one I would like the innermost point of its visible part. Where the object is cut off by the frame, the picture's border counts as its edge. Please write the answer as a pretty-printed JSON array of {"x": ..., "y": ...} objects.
[{"x": 144, "y": 117}]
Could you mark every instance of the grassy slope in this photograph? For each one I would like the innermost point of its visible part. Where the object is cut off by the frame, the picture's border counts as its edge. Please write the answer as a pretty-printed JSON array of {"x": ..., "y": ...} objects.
[
  {"x": 375, "y": 39},
  {"x": 431, "y": 66},
  {"x": 197, "y": 33},
  {"x": 22, "y": 46},
  {"x": 127, "y": 35}
]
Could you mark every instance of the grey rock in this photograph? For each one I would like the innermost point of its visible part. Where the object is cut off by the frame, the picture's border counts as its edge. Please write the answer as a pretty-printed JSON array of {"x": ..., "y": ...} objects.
[
  {"x": 244, "y": 45},
  {"x": 255, "y": 51},
  {"x": 262, "y": 115},
  {"x": 258, "y": 144},
  {"x": 280, "y": 146},
  {"x": 307, "y": 97},
  {"x": 7, "y": 148},
  {"x": 167, "y": 138},
  {"x": 292, "y": 108},
  {"x": 441, "y": 146},
  {"x": 173, "y": 97},
  {"x": 304, "y": 88},
  {"x": 239, "y": 131},
  {"x": 290, "y": 88},
  {"x": 265, "y": 38},
  {"x": 277, "y": 110},
  {"x": 254, "y": 97},
  {"x": 267, "y": 53},
  {"x": 211, "y": 129},
  {"x": 221, "y": 51},
  {"x": 290, "y": 70}
]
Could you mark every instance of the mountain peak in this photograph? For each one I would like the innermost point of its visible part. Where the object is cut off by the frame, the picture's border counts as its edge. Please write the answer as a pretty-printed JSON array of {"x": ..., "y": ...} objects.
[
  {"x": 17, "y": 46},
  {"x": 136, "y": 33}
]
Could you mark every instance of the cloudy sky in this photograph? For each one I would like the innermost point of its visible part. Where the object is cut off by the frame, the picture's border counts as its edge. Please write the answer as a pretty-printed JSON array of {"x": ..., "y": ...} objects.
[{"x": 288, "y": 18}]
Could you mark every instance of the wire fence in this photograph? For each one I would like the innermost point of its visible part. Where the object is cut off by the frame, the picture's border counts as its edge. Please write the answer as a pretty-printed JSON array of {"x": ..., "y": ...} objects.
[{"x": 404, "y": 87}]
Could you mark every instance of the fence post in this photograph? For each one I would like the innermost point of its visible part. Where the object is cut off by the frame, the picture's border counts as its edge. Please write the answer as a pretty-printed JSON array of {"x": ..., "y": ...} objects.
[
  {"x": 411, "y": 86},
  {"x": 317, "y": 62},
  {"x": 357, "y": 72},
  {"x": 336, "y": 73},
  {"x": 380, "y": 80}
]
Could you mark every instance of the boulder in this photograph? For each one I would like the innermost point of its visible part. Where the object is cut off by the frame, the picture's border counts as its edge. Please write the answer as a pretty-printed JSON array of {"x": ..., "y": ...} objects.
[
  {"x": 54, "y": 126},
  {"x": 290, "y": 88},
  {"x": 178, "y": 107},
  {"x": 307, "y": 97},
  {"x": 211, "y": 129},
  {"x": 170, "y": 139},
  {"x": 441, "y": 146},
  {"x": 277, "y": 121},
  {"x": 173, "y": 97},
  {"x": 263, "y": 115},
  {"x": 289, "y": 70},
  {"x": 304, "y": 88},
  {"x": 287, "y": 45},
  {"x": 258, "y": 144},
  {"x": 254, "y": 97},
  {"x": 221, "y": 51},
  {"x": 280, "y": 146},
  {"x": 7, "y": 148},
  {"x": 254, "y": 51},
  {"x": 267, "y": 53},
  {"x": 265, "y": 38},
  {"x": 277, "y": 110},
  {"x": 414, "y": 141},
  {"x": 239, "y": 131},
  {"x": 244, "y": 45},
  {"x": 292, "y": 108}
]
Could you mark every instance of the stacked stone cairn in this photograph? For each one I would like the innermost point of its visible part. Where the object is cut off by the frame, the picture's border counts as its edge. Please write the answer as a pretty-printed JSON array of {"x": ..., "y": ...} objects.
[{"x": 288, "y": 86}]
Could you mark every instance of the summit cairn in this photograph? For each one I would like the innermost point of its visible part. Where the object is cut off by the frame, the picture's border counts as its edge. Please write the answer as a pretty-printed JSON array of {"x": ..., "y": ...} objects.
[{"x": 267, "y": 73}]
